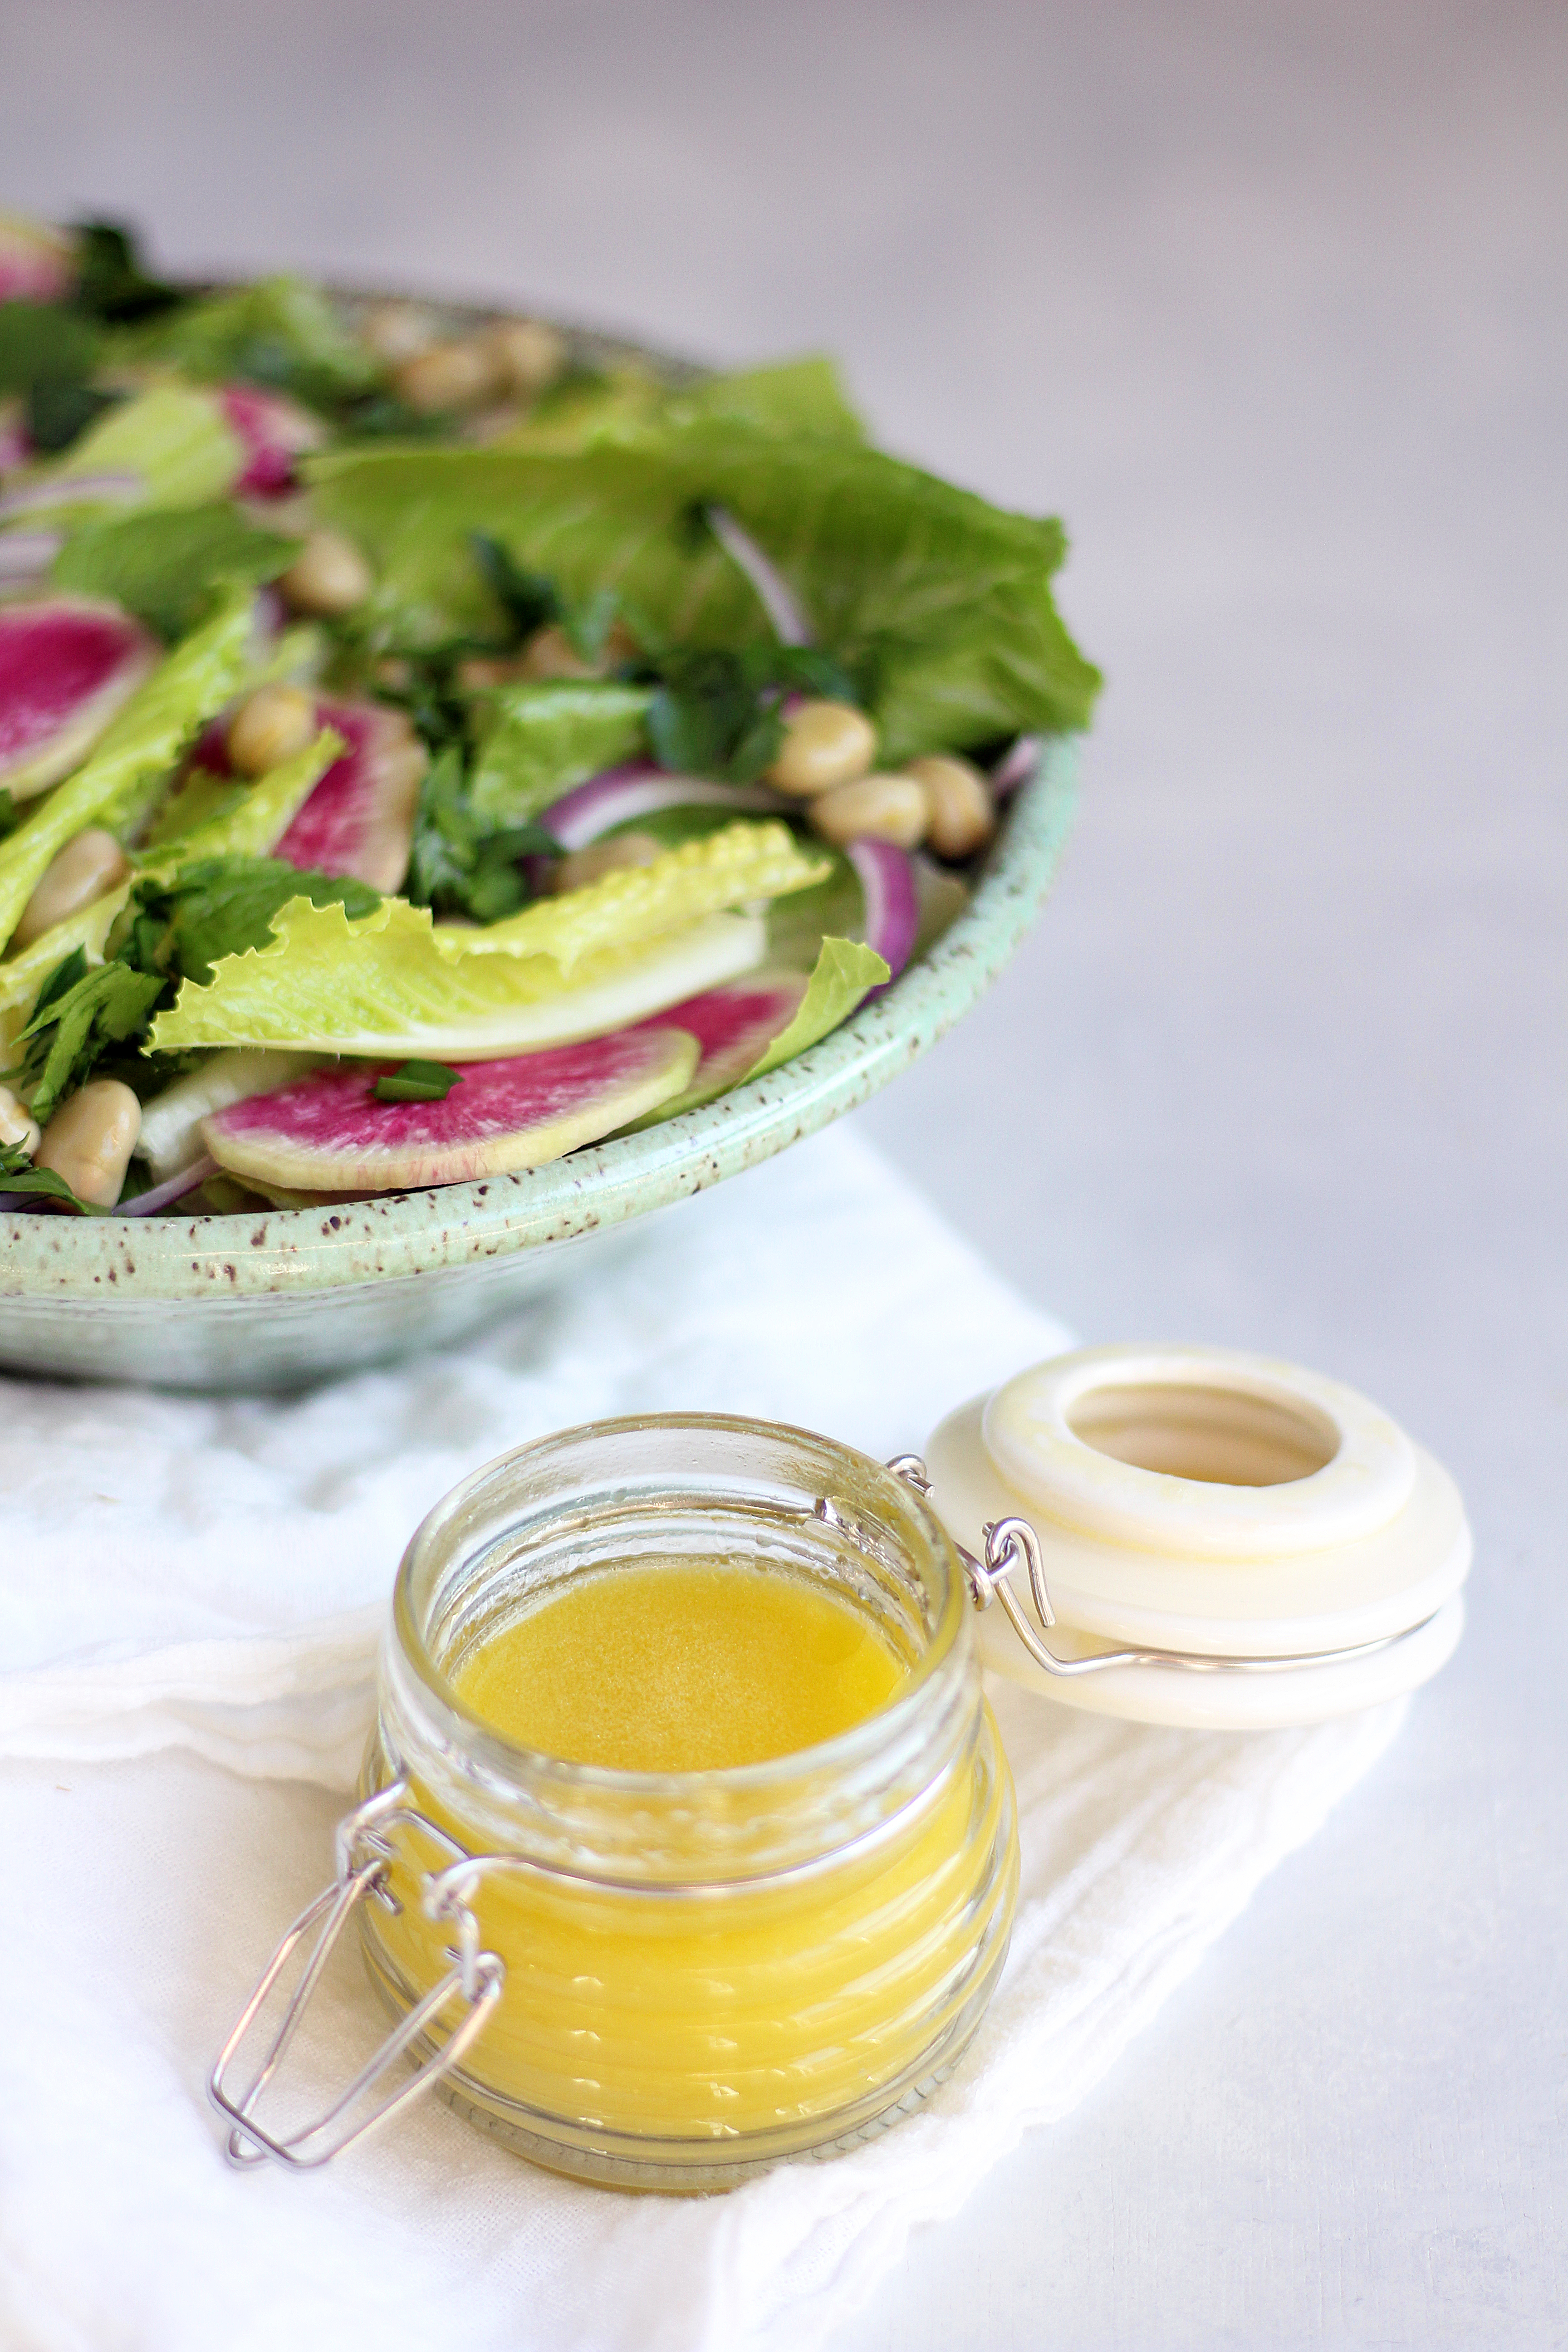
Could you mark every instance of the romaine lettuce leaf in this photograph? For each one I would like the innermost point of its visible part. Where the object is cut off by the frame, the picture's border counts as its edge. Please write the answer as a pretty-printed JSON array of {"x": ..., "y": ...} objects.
[
  {"x": 607, "y": 517},
  {"x": 193, "y": 682},
  {"x": 536, "y": 741},
  {"x": 395, "y": 981},
  {"x": 172, "y": 437},
  {"x": 803, "y": 396},
  {"x": 937, "y": 603},
  {"x": 386, "y": 985},
  {"x": 844, "y": 971},
  {"x": 163, "y": 564},
  {"x": 256, "y": 824}
]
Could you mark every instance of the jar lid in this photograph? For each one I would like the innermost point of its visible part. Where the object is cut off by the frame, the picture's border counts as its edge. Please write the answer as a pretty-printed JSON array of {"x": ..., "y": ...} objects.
[{"x": 1210, "y": 1537}]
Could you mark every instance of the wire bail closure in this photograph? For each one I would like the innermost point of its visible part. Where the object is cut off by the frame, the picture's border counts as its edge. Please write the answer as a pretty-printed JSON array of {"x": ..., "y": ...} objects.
[
  {"x": 1012, "y": 1543},
  {"x": 475, "y": 1977}
]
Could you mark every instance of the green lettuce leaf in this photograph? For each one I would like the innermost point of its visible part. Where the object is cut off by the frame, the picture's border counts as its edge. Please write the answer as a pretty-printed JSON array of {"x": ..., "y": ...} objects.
[
  {"x": 844, "y": 971},
  {"x": 803, "y": 396},
  {"x": 163, "y": 564},
  {"x": 611, "y": 518},
  {"x": 141, "y": 748},
  {"x": 259, "y": 815},
  {"x": 172, "y": 437},
  {"x": 569, "y": 966},
  {"x": 278, "y": 332},
  {"x": 40, "y": 344},
  {"x": 536, "y": 741},
  {"x": 938, "y": 605}
]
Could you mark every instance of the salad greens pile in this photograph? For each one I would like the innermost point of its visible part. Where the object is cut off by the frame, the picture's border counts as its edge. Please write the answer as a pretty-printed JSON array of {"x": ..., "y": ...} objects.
[{"x": 382, "y": 690}]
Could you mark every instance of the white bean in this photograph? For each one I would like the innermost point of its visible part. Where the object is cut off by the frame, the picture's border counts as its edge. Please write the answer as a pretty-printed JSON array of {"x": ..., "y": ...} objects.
[
  {"x": 89, "y": 864},
  {"x": 963, "y": 816},
  {"x": 328, "y": 576},
  {"x": 18, "y": 1125},
  {"x": 395, "y": 330},
  {"x": 91, "y": 1138},
  {"x": 270, "y": 727},
  {"x": 527, "y": 353},
  {"x": 876, "y": 808},
  {"x": 450, "y": 376},
  {"x": 825, "y": 743}
]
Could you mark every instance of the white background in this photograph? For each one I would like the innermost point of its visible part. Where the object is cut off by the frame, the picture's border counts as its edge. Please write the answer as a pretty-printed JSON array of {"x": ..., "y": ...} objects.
[{"x": 1269, "y": 302}]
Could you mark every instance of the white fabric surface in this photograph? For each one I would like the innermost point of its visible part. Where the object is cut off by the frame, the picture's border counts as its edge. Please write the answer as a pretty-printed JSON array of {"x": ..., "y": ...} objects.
[{"x": 232, "y": 1560}]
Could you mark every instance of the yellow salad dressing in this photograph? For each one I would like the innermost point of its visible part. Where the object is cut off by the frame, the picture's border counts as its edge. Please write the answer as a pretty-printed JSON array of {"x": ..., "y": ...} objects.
[
  {"x": 679, "y": 1666},
  {"x": 700, "y": 2012}
]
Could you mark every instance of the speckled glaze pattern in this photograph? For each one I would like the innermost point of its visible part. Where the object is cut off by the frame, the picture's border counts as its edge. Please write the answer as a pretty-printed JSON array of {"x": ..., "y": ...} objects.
[{"x": 286, "y": 1297}]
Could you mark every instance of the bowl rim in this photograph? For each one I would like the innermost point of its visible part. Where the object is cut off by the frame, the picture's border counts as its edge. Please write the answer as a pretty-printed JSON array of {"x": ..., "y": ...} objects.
[{"x": 269, "y": 1252}]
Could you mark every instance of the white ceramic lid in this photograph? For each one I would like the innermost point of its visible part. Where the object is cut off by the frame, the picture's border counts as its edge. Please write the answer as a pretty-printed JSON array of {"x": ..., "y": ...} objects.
[{"x": 1207, "y": 1502}]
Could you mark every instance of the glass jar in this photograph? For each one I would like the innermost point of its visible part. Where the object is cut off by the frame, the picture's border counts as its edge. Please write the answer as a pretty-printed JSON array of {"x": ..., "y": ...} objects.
[{"x": 672, "y": 1981}]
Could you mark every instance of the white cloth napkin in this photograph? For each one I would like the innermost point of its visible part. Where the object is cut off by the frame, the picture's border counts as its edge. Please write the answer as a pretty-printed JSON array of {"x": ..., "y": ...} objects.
[{"x": 182, "y": 1576}]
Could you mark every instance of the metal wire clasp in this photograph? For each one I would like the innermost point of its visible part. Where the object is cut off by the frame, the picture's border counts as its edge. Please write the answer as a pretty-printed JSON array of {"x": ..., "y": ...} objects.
[
  {"x": 475, "y": 1977},
  {"x": 1013, "y": 1543}
]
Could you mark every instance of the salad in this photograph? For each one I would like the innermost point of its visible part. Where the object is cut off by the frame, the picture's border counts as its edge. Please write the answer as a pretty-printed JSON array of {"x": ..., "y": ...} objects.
[{"x": 430, "y": 742}]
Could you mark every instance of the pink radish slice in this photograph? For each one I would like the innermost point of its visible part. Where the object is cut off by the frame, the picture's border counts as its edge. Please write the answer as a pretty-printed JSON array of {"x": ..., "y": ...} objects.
[
  {"x": 360, "y": 818},
  {"x": 619, "y": 795},
  {"x": 276, "y": 433},
  {"x": 734, "y": 1026},
  {"x": 36, "y": 264},
  {"x": 14, "y": 447},
  {"x": 328, "y": 1134},
  {"x": 892, "y": 903},
  {"x": 67, "y": 664}
]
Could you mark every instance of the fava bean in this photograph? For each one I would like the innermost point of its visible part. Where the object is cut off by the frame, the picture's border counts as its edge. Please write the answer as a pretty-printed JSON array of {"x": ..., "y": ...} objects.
[
  {"x": 89, "y": 864},
  {"x": 876, "y": 808},
  {"x": 91, "y": 1138},
  {"x": 825, "y": 743},
  {"x": 270, "y": 727},
  {"x": 963, "y": 816}
]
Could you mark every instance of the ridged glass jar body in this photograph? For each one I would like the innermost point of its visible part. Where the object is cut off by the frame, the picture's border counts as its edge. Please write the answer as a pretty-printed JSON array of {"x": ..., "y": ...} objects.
[{"x": 705, "y": 1971}]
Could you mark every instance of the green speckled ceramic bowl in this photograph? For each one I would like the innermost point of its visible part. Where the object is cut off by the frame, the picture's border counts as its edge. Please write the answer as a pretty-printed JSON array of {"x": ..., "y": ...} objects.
[
  {"x": 287, "y": 1296},
  {"x": 274, "y": 1299}
]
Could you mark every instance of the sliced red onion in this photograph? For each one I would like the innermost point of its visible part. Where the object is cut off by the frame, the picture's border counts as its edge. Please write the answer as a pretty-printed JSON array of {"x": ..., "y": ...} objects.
[
  {"x": 147, "y": 1205},
  {"x": 67, "y": 491},
  {"x": 1016, "y": 766},
  {"x": 27, "y": 554},
  {"x": 618, "y": 794},
  {"x": 892, "y": 904},
  {"x": 774, "y": 593}
]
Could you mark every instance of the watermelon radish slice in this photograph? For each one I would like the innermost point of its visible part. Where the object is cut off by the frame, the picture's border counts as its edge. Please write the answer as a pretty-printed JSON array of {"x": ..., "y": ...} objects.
[
  {"x": 329, "y": 1133},
  {"x": 360, "y": 819},
  {"x": 36, "y": 264},
  {"x": 276, "y": 434},
  {"x": 68, "y": 666},
  {"x": 733, "y": 1026}
]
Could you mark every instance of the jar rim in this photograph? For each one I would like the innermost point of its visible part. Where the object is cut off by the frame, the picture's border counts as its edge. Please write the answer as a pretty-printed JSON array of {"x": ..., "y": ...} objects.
[{"x": 843, "y": 1751}]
